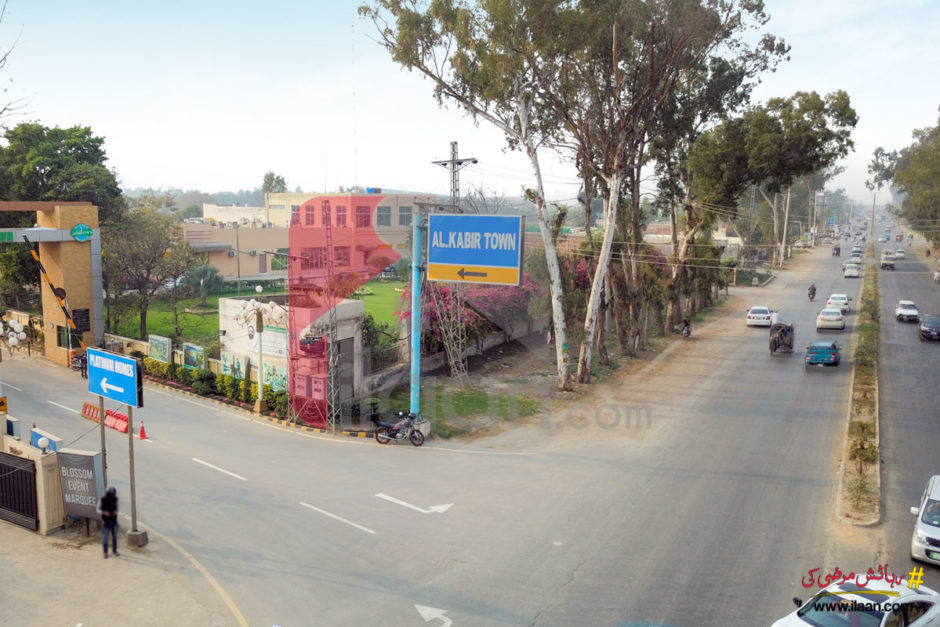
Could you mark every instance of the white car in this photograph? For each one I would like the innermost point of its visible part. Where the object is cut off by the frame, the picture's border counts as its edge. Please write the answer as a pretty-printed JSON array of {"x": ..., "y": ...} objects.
[
  {"x": 899, "y": 253},
  {"x": 925, "y": 543},
  {"x": 882, "y": 239},
  {"x": 840, "y": 302},
  {"x": 758, "y": 316},
  {"x": 850, "y": 271},
  {"x": 906, "y": 311},
  {"x": 875, "y": 604},
  {"x": 830, "y": 318}
]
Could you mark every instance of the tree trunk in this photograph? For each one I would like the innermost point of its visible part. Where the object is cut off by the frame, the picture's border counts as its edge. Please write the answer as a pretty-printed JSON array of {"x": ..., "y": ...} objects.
[
  {"x": 563, "y": 368},
  {"x": 597, "y": 285},
  {"x": 783, "y": 236},
  {"x": 144, "y": 303}
]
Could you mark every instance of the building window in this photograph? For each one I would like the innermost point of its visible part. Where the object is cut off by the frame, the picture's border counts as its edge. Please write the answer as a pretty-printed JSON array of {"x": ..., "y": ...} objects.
[
  {"x": 341, "y": 216},
  {"x": 325, "y": 214},
  {"x": 341, "y": 255},
  {"x": 404, "y": 216},
  {"x": 62, "y": 337},
  {"x": 309, "y": 213},
  {"x": 294, "y": 208},
  {"x": 383, "y": 216},
  {"x": 281, "y": 260},
  {"x": 313, "y": 258},
  {"x": 363, "y": 217}
]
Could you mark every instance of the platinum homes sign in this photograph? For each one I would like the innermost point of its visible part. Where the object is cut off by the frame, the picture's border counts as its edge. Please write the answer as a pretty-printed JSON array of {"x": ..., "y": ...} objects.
[{"x": 82, "y": 481}]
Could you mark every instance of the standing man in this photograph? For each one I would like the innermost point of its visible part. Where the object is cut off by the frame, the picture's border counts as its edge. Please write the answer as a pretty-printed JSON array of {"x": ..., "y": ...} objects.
[{"x": 108, "y": 508}]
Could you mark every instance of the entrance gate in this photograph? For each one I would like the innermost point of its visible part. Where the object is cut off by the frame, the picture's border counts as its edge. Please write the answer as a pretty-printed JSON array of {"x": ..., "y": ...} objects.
[{"x": 18, "y": 503}]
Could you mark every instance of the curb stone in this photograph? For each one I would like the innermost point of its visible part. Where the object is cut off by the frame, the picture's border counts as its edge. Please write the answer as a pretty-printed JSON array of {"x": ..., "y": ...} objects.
[{"x": 270, "y": 417}]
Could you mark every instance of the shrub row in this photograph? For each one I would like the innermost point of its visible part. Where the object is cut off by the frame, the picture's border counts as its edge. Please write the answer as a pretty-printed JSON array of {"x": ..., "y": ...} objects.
[{"x": 206, "y": 383}]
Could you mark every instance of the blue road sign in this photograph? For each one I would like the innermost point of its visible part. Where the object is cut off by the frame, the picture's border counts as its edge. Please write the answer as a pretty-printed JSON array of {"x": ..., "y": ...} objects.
[
  {"x": 116, "y": 377},
  {"x": 475, "y": 248}
]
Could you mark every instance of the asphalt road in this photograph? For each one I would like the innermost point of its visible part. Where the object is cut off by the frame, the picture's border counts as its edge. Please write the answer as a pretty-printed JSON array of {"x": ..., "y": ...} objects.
[
  {"x": 909, "y": 401},
  {"x": 711, "y": 518}
]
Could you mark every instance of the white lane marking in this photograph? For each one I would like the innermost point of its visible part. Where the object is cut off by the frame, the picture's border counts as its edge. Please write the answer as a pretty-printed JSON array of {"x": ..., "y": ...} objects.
[
  {"x": 335, "y": 517},
  {"x": 207, "y": 464},
  {"x": 14, "y": 387},
  {"x": 74, "y": 411},
  {"x": 440, "y": 509}
]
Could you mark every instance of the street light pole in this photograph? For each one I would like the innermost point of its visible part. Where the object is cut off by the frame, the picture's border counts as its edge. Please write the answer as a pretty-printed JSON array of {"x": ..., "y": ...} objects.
[{"x": 260, "y": 405}]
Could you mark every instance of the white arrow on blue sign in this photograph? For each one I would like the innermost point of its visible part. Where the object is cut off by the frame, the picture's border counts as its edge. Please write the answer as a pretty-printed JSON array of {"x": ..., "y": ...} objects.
[{"x": 115, "y": 376}]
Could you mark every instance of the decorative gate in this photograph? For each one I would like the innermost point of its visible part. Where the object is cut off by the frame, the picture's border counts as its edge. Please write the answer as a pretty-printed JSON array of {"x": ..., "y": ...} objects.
[{"x": 18, "y": 491}]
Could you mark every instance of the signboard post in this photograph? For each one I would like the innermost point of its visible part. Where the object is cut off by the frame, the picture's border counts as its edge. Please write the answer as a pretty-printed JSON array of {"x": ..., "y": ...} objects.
[
  {"x": 475, "y": 248},
  {"x": 120, "y": 378}
]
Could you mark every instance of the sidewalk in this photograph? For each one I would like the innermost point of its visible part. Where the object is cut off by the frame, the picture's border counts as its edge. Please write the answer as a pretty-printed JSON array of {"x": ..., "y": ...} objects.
[{"x": 62, "y": 579}]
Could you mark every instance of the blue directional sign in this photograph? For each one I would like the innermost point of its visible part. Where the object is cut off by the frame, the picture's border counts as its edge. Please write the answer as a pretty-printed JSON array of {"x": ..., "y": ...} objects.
[
  {"x": 475, "y": 248},
  {"x": 115, "y": 376}
]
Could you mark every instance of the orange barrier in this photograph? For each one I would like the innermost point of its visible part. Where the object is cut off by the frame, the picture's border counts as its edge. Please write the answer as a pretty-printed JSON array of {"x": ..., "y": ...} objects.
[{"x": 115, "y": 420}]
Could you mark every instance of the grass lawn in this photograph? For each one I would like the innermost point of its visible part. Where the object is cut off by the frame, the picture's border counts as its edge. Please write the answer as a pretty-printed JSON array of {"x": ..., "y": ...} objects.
[
  {"x": 384, "y": 301},
  {"x": 203, "y": 329}
]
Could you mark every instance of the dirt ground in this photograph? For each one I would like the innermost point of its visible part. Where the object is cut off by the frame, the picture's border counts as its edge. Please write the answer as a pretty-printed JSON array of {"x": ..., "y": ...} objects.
[{"x": 527, "y": 368}]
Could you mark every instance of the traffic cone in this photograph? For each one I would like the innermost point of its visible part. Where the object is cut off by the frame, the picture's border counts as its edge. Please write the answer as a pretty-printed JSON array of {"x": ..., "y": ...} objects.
[{"x": 143, "y": 432}]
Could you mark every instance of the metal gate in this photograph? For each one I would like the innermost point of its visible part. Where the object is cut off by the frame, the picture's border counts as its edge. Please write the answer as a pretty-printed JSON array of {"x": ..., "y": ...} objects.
[{"x": 18, "y": 502}]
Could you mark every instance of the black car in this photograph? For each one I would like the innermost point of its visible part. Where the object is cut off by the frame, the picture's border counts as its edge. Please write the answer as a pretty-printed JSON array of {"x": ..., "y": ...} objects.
[{"x": 930, "y": 328}]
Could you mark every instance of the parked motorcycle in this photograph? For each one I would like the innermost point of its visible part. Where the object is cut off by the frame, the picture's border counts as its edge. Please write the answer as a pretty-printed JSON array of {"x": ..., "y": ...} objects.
[{"x": 386, "y": 432}]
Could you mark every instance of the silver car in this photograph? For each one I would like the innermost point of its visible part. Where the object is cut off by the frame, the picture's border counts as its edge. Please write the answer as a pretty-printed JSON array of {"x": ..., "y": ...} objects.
[{"x": 925, "y": 543}]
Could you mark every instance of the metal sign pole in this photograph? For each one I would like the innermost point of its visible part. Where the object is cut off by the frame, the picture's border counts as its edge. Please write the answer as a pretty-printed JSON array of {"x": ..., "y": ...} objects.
[
  {"x": 104, "y": 454},
  {"x": 130, "y": 455},
  {"x": 416, "y": 315}
]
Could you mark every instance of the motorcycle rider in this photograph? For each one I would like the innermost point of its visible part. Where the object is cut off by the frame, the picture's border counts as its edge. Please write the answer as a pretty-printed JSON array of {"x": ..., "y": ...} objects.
[
  {"x": 812, "y": 291},
  {"x": 686, "y": 328}
]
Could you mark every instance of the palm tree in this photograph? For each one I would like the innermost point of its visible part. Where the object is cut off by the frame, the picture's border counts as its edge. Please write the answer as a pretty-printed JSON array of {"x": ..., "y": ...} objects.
[{"x": 205, "y": 279}]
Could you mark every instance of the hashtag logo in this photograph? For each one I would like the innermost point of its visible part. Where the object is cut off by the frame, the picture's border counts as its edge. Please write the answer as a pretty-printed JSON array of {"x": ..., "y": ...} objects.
[{"x": 915, "y": 577}]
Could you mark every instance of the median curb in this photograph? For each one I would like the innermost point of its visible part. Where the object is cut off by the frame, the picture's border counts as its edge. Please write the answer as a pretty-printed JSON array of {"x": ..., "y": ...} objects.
[{"x": 270, "y": 416}]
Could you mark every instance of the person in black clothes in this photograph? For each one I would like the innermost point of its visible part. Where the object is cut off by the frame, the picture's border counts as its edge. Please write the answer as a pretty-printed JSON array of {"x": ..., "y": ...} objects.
[{"x": 108, "y": 508}]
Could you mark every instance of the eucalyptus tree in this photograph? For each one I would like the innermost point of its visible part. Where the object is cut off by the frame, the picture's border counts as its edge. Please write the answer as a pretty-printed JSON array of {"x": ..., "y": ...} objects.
[
  {"x": 479, "y": 55},
  {"x": 607, "y": 80},
  {"x": 917, "y": 175},
  {"x": 769, "y": 146}
]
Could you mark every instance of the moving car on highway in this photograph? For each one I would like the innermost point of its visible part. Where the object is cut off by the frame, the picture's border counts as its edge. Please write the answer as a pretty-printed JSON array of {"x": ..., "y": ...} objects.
[
  {"x": 899, "y": 253},
  {"x": 906, "y": 311},
  {"x": 758, "y": 316},
  {"x": 851, "y": 271},
  {"x": 823, "y": 353},
  {"x": 930, "y": 328},
  {"x": 925, "y": 542},
  {"x": 840, "y": 302},
  {"x": 830, "y": 318}
]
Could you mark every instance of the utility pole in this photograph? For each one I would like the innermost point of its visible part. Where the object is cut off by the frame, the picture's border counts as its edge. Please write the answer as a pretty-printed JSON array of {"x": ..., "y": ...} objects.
[
  {"x": 453, "y": 330},
  {"x": 455, "y": 164}
]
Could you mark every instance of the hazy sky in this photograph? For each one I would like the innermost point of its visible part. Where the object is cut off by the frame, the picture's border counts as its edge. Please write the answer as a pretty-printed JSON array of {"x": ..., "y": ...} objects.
[{"x": 211, "y": 94}]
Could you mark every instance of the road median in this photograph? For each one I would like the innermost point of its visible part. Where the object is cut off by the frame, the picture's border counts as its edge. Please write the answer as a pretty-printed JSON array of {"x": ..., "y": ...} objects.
[{"x": 859, "y": 500}]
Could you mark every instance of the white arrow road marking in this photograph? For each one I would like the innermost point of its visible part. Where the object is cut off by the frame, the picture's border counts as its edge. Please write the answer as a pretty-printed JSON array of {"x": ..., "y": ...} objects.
[
  {"x": 431, "y": 613},
  {"x": 208, "y": 465},
  {"x": 434, "y": 508},
  {"x": 335, "y": 517},
  {"x": 107, "y": 386}
]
